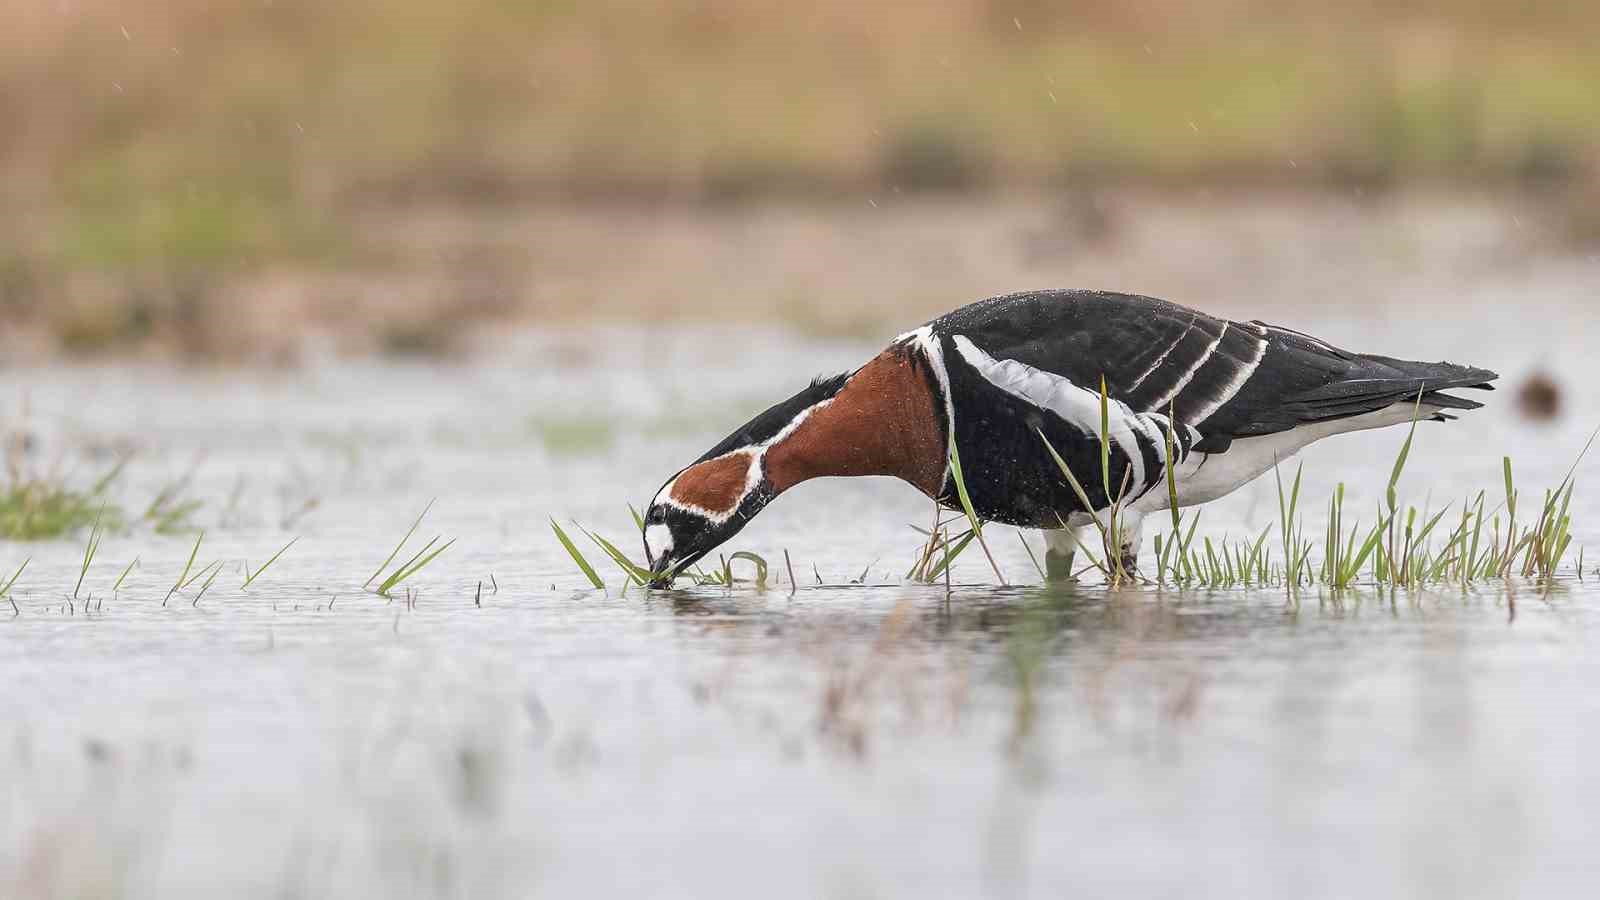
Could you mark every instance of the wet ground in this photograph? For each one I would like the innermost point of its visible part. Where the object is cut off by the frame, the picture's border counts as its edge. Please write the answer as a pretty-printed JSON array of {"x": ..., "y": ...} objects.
[{"x": 307, "y": 739}]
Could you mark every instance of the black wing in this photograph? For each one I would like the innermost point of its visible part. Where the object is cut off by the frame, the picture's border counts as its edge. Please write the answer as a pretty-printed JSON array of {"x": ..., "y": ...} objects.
[{"x": 1227, "y": 379}]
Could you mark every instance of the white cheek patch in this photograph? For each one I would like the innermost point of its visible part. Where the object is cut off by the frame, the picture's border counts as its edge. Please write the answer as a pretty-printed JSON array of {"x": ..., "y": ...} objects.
[{"x": 657, "y": 540}]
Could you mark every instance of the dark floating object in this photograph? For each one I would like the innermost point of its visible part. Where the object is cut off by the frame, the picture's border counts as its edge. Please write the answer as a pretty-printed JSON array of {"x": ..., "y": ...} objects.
[{"x": 1539, "y": 398}]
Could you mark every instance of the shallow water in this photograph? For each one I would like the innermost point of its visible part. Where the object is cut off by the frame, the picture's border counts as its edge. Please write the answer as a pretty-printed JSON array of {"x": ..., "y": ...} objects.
[{"x": 305, "y": 738}]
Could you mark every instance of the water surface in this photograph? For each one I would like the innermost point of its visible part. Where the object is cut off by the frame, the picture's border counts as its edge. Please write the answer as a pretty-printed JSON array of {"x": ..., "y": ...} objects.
[{"x": 306, "y": 738}]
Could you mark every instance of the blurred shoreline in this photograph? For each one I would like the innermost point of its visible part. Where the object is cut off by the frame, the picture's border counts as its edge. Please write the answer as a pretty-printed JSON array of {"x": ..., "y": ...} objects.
[
  {"x": 444, "y": 280},
  {"x": 221, "y": 180}
]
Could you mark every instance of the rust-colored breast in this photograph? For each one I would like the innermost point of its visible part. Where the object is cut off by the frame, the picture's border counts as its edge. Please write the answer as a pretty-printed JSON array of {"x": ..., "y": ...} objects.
[
  {"x": 715, "y": 485},
  {"x": 884, "y": 421}
]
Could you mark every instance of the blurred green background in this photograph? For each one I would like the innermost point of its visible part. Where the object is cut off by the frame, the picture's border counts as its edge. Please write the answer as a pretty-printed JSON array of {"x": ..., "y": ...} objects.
[{"x": 201, "y": 178}]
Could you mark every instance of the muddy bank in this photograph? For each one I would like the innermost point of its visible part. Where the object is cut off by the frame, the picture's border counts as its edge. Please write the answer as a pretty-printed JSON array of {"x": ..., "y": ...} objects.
[{"x": 442, "y": 281}]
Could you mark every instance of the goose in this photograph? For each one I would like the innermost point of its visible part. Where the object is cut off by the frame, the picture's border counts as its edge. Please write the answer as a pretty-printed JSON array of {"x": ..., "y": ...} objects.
[{"x": 1005, "y": 381}]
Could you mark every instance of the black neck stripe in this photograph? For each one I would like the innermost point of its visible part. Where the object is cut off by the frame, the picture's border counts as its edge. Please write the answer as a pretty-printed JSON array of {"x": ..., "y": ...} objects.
[{"x": 767, "y": 425}]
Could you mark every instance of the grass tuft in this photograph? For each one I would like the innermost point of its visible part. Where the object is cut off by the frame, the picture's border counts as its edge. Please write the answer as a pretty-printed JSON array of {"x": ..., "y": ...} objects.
[
  {"x": 412, "y": 566},
  {"x": 40, "y": 508},
  {"x": 400, "y": 546}
]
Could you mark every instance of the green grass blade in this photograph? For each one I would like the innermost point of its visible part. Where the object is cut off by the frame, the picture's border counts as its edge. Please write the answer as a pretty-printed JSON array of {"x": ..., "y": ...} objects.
[
  {"x": 215, "y": 569},
  {"x": 1172, "y": 477},
  {"x": 950, "y": 554},
  {"x": 577, "y": 557},
  {"x": 400, "y": 546},
  {"x": 1400, "y": 460},
  {"x": 124, "y": 576},
  {"x": 6, "y": 590},
  {"x": 416, "y": 556},
  {"x": 1354, "y": 567},
  {"x": 1034, "y": 559},
  {"x": 635, "y": 573},
  {"x": 1105, "y": 439},
  {"x": 1077, "y": 487},
  {"x": 186, "y": 567},
  {"x": 966, "y": 505},
  {"x": 1094, "y": 561},
  {"x": 89, "y": 551},
  {"x": 417, "y": 564},
  {"x": 758, "y": 562},
  {"x": 105, "y": 482},
  {"x": 1427, "y": 529},
  {"x": 201, "y": 574},
  {"x": 250, "y": 579}
]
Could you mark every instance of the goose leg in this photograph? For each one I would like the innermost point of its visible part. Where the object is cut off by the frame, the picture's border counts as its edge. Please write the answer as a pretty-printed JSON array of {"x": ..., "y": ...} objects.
[{"x": 1060, "y": 550}]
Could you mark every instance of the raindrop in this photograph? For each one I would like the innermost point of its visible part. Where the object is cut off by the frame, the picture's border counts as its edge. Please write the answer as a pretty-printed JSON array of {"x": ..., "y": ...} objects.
[{"x": 125, "y": 35}]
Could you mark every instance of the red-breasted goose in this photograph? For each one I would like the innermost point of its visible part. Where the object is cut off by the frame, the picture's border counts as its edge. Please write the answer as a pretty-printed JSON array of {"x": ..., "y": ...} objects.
[{"x": 995, "y": 374}]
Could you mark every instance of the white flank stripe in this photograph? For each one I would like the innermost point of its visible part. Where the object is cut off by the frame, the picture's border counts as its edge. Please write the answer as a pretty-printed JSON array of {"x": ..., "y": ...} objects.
[
  {"x": 1077, "y": 405},
  {"x": 1315, "y": 342},
  {"x": 1159, "y": 421},
  {"x": 1156, "y": 437},
  {"x": 1163, "y": 357},
  {"x": 1233, "y": 387},
  {"x": 1188, "y": 376}
]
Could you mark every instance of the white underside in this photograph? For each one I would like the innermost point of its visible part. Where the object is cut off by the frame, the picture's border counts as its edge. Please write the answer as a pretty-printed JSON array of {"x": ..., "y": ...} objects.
[{"x": 1207, "y": 476}]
